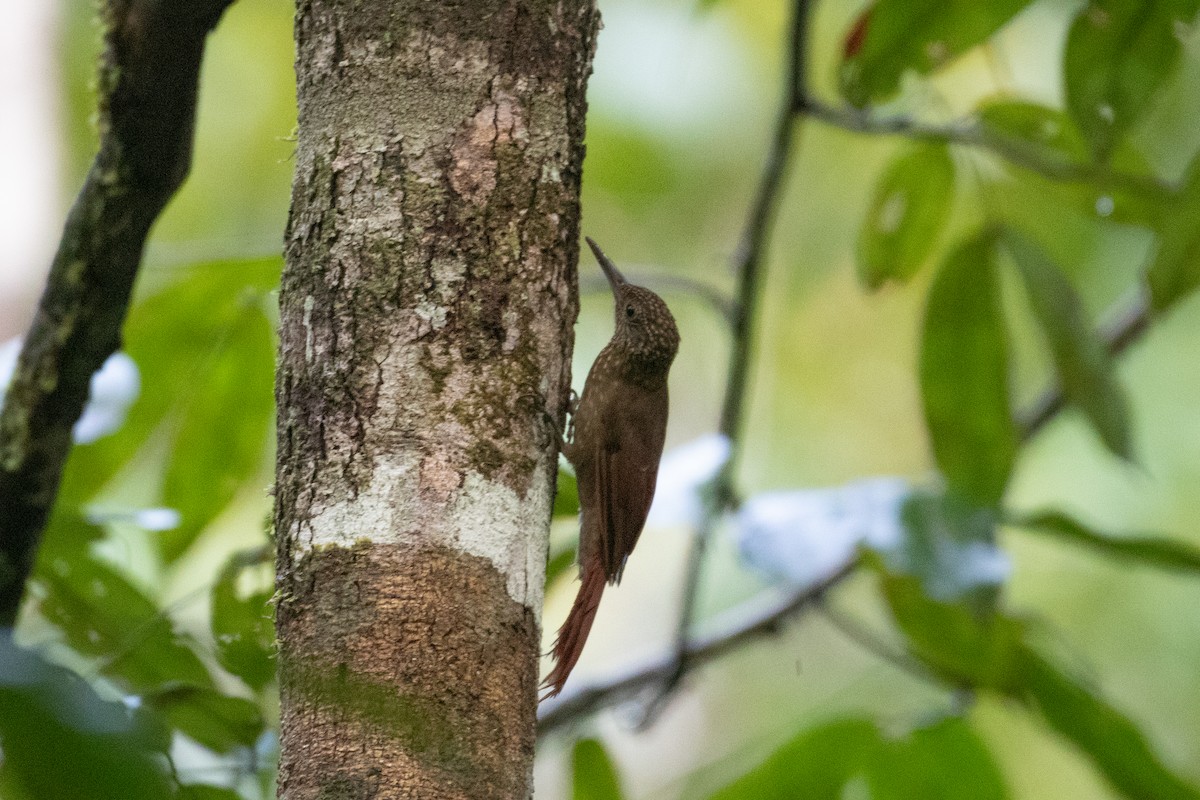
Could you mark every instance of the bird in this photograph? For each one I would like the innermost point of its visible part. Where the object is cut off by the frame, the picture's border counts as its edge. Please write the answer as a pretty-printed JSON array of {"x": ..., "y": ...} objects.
[{"x": 615, "y": 440}]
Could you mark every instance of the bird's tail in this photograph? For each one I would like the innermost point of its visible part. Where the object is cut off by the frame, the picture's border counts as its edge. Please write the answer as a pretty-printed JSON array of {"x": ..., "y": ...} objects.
[{"x": 574, "y": 632}]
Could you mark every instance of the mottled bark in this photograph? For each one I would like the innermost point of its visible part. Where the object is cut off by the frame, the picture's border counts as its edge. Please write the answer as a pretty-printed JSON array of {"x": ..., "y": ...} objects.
[
  {"x": 148, "y": 82},
  {"x": 426, "y": 314}
]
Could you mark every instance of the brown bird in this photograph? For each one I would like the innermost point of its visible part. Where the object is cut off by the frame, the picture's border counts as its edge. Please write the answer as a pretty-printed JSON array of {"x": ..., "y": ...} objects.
[{"x": 619, "y": 426}]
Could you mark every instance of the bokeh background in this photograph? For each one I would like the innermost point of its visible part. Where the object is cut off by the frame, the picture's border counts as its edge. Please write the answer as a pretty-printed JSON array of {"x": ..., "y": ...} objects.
[{"x": 681, "y": 107}]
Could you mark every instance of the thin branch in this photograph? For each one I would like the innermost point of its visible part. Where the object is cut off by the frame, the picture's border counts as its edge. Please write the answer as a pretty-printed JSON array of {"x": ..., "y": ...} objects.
[
  {"x": 149, "y": 77},
  {"x": 868, "y": 640},
  {"x": 745, "y": 623},
  {"x": 1042, "y": 160},
  {"x": 748, "y": 266},
  {"x": 1125, "y": 328}
]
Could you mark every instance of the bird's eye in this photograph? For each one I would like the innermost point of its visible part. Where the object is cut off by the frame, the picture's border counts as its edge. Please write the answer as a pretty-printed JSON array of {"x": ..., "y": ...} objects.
[{"x": 630, "y": 312}]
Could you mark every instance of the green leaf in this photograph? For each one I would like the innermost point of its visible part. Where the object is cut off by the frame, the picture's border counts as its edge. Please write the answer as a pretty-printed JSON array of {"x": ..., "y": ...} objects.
[
  {"x": 61, "y": 740},
  {"x": 562, "y": 556},
  {"x": 1174, "y": 271},
  {"x": 1111, "y": 740},
  {"x": 918, "y": 35},
  {"x": 222, "y": 432},
  {"x": 217, "y": 721},
  {"x": 1154, "y": 551},
  {"x": 595, "y": 775},
  {"x": 815, "y": 765},
  {"x": 168, "y": 335},
  {"x": 1049, "y": 130},
  {"x": 943, "y": 761},
  {"x": 566, "y": 497},
  {"x": 1118, "y": 56},
  {"x": 242, "y": 625},
  {"x": 957, "y": 641},
  {"x": 199, "y": 791},
  {"x": 964, "y": 375},
  {"x": 102, "y": 614},
  {"x": 1081, "y": 360},
  {"x": 949, "y": 546},
  {"x": 912, "y": 203}
]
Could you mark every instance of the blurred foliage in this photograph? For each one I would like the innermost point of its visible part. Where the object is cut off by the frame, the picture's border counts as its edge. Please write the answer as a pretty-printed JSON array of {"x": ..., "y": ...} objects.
[{"x": 922, "y": 289}]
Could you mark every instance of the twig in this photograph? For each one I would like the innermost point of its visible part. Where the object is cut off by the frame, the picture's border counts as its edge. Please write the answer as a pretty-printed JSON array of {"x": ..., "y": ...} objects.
[
  {"x": 149, "y": 77},
  {"x": 1126, "y": 328},
  {"x": 742, "y": 624},
  {"x": 858, "y": 633},
  {"x": 972, "y": 133},
  {"x": 748, "y": 266}
]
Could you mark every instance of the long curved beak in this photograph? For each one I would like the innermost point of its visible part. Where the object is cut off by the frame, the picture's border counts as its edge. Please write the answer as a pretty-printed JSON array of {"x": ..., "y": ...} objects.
[{"x": 615, "y": 278}]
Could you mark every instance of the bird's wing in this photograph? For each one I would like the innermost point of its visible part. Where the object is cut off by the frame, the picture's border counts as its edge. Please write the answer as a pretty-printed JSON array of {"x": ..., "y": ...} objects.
[{"x": 627, "y": 471}]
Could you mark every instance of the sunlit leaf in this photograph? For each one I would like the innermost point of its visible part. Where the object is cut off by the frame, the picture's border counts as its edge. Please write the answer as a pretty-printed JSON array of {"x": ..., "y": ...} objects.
[
  {"x": 168, "y": 335},
  {"x": 1174, "y": 272},
  {"x": 1119, "y": 750},
  {"x": 218, "y": 721},
  {"x": 595, "y": 775},
  {"x": 242, "y": 623},
  {"x": 1084, "y": 368},
  {"x": 964, "y": 375},
  {"x": 816, "y": 765},
  {"x": 943, "y": 761},
  {"x": 222, "y": 428},
  {"x": 1154, "y": 551},
  {"x": 566, "y": 498},
  {"x": 61, "y": 740},
  {"x": 917, "y": 35},
  {"x": 561, "y": 558},
  {"x": 1118, "y": 56},
  {"x": 912, "y": 203},
  {"x": 102, "y": 614}
]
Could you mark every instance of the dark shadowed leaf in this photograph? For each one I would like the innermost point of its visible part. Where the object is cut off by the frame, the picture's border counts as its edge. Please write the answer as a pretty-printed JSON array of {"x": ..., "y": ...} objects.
[
  {"x": 911, "y": 205},
  {"x": 61, "y": 740},
  {"x": 966, "y": 645},
  {"x": 595, "y": 775},
  {"x": 1153, "y": 551},
  {"x": 1118, "y": 56},
  {"x": 816, "y": 765},
  {"x": 242, "y": 624},
  {"x": 223, "y": 423},
  {"x": 1119, "y": 750},
  {"x": 917, "y": 35},
  {"x": 1081, "y": 360},
  {"x": 964, "y": 375},
  {"x": 217, "y": 721},
  {"x": 1174, "y": 271},
  {"x": 944, "y": 761}
]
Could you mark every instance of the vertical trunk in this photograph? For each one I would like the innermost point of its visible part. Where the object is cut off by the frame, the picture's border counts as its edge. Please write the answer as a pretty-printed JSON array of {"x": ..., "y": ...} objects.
[{"x": 426, "y": 314}]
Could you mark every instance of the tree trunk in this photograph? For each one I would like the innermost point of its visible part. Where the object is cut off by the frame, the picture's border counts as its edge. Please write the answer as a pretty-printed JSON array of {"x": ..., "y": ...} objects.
[{"x": 426, "y": 316}]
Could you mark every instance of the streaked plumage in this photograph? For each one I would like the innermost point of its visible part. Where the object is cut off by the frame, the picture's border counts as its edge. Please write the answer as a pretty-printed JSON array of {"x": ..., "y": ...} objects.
[{"x": 620, "y": 425}]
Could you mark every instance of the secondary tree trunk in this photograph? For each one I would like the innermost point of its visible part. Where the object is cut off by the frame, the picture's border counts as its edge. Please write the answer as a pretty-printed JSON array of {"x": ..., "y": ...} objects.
[{"x": 426, "y": 315}]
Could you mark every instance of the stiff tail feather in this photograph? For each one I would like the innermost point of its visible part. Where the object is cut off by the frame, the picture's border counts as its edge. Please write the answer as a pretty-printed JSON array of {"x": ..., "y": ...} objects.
[{"x": 574, "y": 632}]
